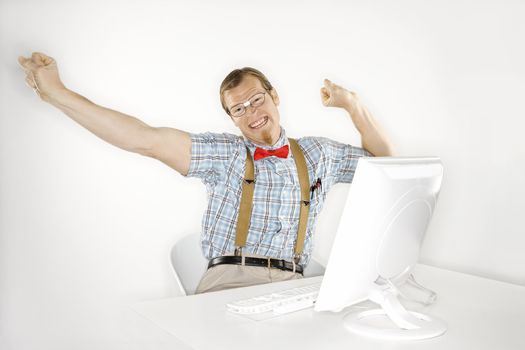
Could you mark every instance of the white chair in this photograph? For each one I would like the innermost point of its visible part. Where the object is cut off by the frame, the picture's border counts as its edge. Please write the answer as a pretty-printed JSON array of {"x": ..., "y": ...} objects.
[{"x": 189, "y": 264}]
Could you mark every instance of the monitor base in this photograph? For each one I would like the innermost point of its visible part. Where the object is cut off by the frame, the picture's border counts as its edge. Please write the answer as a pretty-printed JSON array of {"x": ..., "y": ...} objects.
[{"x": 356, "y": 323}]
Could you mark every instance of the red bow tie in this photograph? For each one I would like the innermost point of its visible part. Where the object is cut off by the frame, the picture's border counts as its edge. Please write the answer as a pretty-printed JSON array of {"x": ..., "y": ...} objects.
[{"x": 263, "y": 153}]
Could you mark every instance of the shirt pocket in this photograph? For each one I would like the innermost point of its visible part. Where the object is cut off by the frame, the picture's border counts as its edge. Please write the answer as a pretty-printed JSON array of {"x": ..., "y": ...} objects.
[
  {"x": 317, "y": 201},
  {"x": 289, "y": 201}
]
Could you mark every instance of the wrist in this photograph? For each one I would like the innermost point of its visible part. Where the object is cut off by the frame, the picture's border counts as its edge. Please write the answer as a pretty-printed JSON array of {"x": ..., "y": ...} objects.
[
  {"x": 359, "y": 115},
  {"x": 349, "y": 107},
  {"x": 59, "y": 97},
  {"x": 352, "y": 102}
]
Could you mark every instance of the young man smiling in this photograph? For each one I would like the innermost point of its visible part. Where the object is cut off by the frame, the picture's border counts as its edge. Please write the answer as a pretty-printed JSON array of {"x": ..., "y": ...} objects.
[
  {"x": 259, "y": 123},
  {"x": 271, "y": 250}
]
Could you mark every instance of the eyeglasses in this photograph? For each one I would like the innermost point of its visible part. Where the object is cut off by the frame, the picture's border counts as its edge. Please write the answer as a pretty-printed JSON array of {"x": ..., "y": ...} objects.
[{"x": 255, "y": 101}]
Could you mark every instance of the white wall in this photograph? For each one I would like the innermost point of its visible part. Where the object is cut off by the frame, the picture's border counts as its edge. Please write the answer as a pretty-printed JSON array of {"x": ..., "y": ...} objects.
[{"x": 85, "y": 228}]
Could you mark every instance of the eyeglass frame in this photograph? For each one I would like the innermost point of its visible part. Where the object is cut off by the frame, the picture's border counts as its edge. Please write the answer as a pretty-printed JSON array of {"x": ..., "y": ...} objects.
[{"x": 247, "y": 104}]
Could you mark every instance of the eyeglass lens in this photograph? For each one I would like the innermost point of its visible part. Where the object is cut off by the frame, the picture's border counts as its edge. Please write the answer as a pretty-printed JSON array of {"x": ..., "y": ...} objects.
[{"x": 254, "y": 101}]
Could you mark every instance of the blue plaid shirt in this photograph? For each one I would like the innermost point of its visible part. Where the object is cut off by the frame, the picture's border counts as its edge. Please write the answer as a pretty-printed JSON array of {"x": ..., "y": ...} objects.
[{"x": 219, "y": 161}]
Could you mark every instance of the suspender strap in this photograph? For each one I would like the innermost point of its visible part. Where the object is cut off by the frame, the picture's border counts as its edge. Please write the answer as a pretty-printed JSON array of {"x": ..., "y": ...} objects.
[
  {"x": 248, "y": 185},
  {"x": 304, "y": 181},
  {"x": 245, "y": 209}
]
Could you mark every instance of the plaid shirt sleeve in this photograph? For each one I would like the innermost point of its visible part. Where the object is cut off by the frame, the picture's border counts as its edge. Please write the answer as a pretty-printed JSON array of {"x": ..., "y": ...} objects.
[
  {"x": 210, "y": 152},
  {"x": 342, "y": 159}
]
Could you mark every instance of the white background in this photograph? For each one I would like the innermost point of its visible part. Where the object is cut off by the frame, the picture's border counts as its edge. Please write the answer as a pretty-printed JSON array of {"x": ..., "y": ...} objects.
[{"x": 86, "y": 228}]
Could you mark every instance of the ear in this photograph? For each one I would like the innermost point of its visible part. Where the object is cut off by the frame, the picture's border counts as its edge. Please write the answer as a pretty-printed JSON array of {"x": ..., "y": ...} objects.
[{"x": 275, "y": 96}]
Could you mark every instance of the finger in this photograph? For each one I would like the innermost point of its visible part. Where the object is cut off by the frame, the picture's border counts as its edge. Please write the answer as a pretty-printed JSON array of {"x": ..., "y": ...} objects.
[
  {"x": 328, "y": 83},
  {"x": 31, "y": 78},
  {"x": 34, "y": 80},
  {"x": 30, "y": 82},
  {"x": 37, "y": 58},
  {"x": 334, "y": 85},
  {"x": 41, "y": 58},
  {"x": 325, "y": 92},
  {"x": 21, "y": 60},
  {"x": 325, "y": 96},
  {"x": 27, "y": 64}
]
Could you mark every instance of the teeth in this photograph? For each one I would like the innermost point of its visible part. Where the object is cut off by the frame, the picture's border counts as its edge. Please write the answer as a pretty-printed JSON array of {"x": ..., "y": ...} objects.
[{"x": 258, "y": 123}]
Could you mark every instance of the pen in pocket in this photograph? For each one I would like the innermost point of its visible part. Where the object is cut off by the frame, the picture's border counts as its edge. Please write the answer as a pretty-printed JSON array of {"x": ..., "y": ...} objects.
[{"x": 315, "y": 187}]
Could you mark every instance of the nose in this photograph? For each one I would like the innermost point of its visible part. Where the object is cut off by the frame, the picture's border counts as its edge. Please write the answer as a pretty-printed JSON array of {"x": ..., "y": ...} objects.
[{"x": 250, "y": 108}]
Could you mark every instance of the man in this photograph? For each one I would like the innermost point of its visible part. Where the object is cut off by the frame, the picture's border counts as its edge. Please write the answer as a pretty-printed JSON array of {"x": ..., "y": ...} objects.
[{"x": 270, "y": 250}]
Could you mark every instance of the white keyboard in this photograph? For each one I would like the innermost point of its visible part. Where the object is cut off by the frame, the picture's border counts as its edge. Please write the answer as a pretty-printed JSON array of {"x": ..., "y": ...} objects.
[{"x": 281, "y": 302}]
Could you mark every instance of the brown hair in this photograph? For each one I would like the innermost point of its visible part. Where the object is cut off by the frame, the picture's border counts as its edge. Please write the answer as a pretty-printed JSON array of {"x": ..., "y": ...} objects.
[{"x": 235, "y": 78}]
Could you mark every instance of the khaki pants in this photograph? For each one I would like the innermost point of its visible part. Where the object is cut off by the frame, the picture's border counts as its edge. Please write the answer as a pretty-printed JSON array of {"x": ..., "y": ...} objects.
[{"x": 228, "y": 276}]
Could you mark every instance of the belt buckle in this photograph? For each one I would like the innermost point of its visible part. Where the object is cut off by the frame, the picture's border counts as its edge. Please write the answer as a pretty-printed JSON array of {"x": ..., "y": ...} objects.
[{"x": 238, "y": 251}]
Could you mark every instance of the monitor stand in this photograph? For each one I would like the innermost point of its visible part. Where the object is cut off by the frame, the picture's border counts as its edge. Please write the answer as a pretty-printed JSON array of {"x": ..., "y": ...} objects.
[{"x": 408, "y": 325}]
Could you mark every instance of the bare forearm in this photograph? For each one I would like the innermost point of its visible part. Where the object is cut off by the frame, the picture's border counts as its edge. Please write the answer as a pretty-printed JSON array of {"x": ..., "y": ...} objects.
[
  {"x": 121, "y": 130},
  {"x": 373, "y": 138}
]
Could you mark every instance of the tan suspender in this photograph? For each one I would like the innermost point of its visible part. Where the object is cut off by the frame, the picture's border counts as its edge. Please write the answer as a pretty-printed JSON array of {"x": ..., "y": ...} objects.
[
  {"x": 245, "y": 209},
  {"x": 304, "y": 181}
]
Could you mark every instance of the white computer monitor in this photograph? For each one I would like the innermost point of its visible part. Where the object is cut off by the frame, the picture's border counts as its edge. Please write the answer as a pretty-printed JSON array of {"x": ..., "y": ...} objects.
[{"x": 377, "y": 244}]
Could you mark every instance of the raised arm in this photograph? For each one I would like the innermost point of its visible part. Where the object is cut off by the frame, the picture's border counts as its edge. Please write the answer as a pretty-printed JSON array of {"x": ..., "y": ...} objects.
[
  {"x": 170, "y": 146},
  {"x": 373, "y": 138}
]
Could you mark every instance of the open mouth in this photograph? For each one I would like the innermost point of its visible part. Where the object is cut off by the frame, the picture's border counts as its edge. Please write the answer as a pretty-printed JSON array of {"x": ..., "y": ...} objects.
[{"x": 259, "y": 123}]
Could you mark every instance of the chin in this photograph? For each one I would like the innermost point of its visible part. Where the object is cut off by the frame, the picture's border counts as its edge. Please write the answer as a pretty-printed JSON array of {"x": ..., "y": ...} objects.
[{"x": 263, "y": 135}]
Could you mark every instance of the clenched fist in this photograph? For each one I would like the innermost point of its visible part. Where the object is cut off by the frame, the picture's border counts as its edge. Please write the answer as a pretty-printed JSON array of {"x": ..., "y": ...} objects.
[
  {"x": 333, "y": 95},
  {"x": 42, "y": 75}
]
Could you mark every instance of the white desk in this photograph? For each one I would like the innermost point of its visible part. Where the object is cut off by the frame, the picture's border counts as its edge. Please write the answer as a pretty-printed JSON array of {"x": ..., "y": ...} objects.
[{"x": 480, "y": 313}]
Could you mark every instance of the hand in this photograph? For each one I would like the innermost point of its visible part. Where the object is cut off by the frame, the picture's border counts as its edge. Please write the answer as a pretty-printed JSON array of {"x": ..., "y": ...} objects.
[
  {"x": 42, "y": 75},
  {"x": 333, "y": 95}
]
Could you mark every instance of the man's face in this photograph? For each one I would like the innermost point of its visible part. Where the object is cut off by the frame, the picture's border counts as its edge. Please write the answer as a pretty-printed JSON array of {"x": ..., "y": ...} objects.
[{"x": 261, "y": 124}]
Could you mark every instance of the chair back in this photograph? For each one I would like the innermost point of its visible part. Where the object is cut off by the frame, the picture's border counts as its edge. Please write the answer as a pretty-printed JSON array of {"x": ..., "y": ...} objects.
[{"x": 188, "y": 263}]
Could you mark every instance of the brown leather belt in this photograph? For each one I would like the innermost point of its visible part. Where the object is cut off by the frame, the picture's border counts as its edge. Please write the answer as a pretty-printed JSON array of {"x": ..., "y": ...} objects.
[{"x": 250, "y": 261}]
